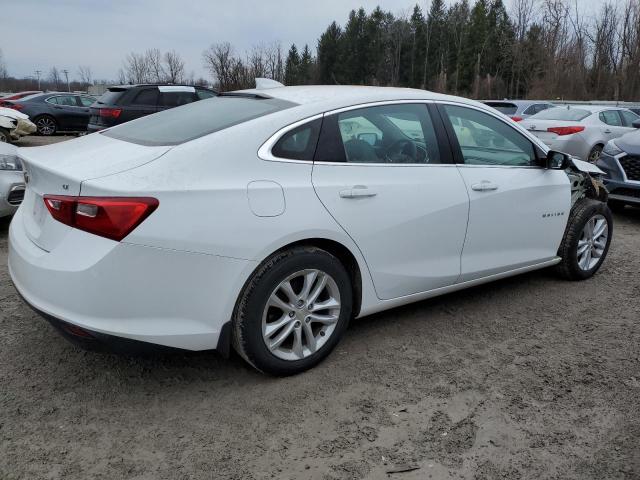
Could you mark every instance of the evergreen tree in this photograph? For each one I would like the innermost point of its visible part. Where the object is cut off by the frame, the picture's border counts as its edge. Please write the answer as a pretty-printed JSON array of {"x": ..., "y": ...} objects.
[
  {"x": 292, "y": 66},
  {"x": 329, "y": 55},
  {"x": 306, "y": 66}
]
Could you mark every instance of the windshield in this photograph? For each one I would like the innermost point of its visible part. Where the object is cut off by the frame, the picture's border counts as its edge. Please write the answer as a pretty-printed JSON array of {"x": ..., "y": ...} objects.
[
  {"x": 503, "y": 107},
  {"x": 562, "y": 113},
  {"x": 182, "y": 124}
]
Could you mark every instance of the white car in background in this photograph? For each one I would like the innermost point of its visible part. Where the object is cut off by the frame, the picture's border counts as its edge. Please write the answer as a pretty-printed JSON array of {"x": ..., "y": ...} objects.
[
  {"x": 14, "y": 125},
  {"x": 266, "y": 219},
  {"x": 581, "y": 130},
  {"x": 11, "y": 180}
]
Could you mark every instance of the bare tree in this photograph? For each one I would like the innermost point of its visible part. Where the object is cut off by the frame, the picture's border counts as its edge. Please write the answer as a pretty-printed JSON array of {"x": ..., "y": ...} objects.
[
  {"x": 153, "y": 59},
  {"x": 136, "y": 68},
  {"x": 85, "y": 74},
  {"x": 174, "y": 67},
  {"x": 54, "y": 78}
]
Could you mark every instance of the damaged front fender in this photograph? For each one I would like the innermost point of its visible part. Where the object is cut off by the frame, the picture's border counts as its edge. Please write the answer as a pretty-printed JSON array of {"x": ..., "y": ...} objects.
[{"x": 585, "y": 181}]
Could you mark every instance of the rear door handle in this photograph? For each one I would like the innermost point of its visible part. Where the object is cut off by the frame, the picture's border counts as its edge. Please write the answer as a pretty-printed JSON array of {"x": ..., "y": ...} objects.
[
  {"x": 607, "y": 131},
  {"x": 484, "y": 186},
  {"x": 357, "y": 191}
]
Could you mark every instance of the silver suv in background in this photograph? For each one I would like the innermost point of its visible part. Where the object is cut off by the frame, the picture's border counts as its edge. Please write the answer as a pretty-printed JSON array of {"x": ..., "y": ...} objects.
[{"x": 518, "y": 110}]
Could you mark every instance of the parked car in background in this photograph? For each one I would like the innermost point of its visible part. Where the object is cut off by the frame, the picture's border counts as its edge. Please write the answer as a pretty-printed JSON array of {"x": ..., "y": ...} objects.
[
  {"x": 17, "y": 96},
  {"x": 620, "y": 160},
  {"x": 580, "y": 130},
  {"x": 518, "y": 110},
  {"x": 56, "y": 111},
  {"x": 202, "y": 227},
  {"x": 14, "y": 125},
  {"x": 128, "y": 102},
  {"x": 11, "y": 180}
]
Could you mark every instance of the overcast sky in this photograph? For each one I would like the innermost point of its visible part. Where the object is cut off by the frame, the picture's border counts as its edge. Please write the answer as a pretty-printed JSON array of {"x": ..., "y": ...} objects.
[{"x": 38, "y": 34}]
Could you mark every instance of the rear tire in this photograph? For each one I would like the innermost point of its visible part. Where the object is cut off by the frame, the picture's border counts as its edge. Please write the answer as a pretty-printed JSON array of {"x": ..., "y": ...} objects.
[
  {"x": 586, "y": 240},
  {"x": 46, "y": 125},
  {"x": 279, "y": 327}
]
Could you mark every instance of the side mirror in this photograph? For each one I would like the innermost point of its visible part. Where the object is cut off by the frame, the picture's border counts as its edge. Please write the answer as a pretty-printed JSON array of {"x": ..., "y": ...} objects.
[
  {"x": 370, "y": 138},
  {"x": 556, "y": 160},
  {"x": 635, "y": 124}
]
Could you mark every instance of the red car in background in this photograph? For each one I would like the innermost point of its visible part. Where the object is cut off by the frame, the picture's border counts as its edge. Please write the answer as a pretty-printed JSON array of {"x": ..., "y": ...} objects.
[{"x": 17, "y": 96}]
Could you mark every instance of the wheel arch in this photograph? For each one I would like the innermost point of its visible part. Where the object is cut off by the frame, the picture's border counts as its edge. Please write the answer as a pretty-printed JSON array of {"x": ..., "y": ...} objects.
[{"x": 343, "y": 254}]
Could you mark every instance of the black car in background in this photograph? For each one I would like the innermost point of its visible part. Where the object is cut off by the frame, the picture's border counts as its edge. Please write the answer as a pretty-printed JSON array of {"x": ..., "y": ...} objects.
[
  {"x": 620, "y": 160},
  {"x": 55, "y": 111},
  {"x": 128, "y": 102}
]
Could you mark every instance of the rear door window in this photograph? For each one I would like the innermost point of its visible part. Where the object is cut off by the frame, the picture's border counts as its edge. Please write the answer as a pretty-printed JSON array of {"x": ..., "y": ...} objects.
[
  {"x": 611, "y": 117},
  {"x": 175, "y": 99},
  {"x": 87, "y": 101},
  {"x": 147, "y": 97},
  {"x": 181, "y": 124}
]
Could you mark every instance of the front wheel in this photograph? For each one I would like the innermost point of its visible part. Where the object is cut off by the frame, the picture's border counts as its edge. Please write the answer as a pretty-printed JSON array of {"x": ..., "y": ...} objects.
[
  {"x": 586, "y": 240},
  {"x": 293, "y": 311},
  {"x": 594, "y": 154}
]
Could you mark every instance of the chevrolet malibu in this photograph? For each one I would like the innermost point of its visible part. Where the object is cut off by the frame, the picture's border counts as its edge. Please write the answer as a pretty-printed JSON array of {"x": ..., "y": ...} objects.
[{"x": 266, "y": 219}]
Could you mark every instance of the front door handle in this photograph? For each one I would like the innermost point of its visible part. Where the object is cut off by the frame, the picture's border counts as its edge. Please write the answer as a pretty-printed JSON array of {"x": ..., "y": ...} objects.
[
  {"x": 484, "y": 186},
  {"x": 357, "y": 191},
  {"x": 607, "y": 131}
]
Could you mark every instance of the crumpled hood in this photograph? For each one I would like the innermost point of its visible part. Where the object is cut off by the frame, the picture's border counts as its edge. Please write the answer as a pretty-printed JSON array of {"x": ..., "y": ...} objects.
[
  {"x": 11, "y": 113},
  {"x": 629, "y": 142}
]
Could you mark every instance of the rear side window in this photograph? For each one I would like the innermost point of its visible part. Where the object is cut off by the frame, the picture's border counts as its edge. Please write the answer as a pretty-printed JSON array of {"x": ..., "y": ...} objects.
[
  {"x": 111, "y": 97},
  {"x": 179, "y": 125},
  {"x": 87, "y": 101},
  {"x": 611, "y": 117},
  {"x": 503, "y": 107},
  {"x": 176, "y": 99},
  {"x": 147, "y": 97},
  {"x": 203, "y": 94},
  {"x": 299, "y": 143}
]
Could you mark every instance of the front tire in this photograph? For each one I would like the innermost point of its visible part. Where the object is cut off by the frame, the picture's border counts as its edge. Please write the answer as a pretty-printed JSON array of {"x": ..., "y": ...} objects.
[
  {"x": 586, "y": 240},
  {"x": 594, "y": 154},
  {"x": 293, "y": 311},
  {"x": 4, "y": 135}
]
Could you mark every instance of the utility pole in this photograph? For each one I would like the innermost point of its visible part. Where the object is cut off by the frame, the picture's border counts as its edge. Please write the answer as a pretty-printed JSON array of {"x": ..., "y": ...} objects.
[
  {"x": 66, "y": 75},
  {"x": 38, "y": 72}
]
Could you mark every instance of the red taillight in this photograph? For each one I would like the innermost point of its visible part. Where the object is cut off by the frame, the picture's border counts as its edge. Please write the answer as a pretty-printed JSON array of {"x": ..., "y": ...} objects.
[
  {"x": 110, "y": 112},
  {"x": 110, "y": 217},
  {"x": 15, "y": 106},
  {"x": 565, "y": 130},
  {"x": 516, "y": 119}
]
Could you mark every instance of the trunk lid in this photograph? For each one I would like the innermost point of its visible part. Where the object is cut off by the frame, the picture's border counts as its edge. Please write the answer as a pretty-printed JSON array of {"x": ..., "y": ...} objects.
[
  {"x": 61, "y": 168},
  {"x": 539, "y": 127}
]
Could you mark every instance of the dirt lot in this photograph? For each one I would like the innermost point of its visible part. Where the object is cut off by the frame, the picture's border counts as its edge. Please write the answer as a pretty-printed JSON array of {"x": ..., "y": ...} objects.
[{"x": 530, "y": 377}]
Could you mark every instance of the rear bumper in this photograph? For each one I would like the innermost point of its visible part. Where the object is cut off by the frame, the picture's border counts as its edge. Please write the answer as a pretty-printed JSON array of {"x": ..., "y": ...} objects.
[
  {"x": 574, "y": 145},
  {"x": 93, "y": 128},
  {"x": 110, "y": 289}
]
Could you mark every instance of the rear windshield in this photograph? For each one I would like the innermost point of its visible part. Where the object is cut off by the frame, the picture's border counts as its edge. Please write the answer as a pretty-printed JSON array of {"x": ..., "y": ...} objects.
[
  {"x": 181, "y": 124},
  {"x": 110, "y": 97},
  {"x": 503, "y": 107},
  {"x": 562, "y": 113}
]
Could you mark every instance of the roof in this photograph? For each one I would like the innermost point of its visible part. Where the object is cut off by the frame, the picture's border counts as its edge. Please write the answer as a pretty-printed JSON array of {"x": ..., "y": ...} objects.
[{"x": 337, "y": 95}]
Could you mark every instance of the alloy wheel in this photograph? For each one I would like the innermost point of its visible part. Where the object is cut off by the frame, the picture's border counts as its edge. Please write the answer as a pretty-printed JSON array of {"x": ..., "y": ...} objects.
[
  {"x": 593, "y": 242},
  {"x": 46, "y": 126},
  {"x": 301, "y": 314}
]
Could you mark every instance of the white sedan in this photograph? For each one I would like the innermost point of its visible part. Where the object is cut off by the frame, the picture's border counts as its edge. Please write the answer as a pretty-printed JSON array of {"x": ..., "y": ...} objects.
[
  {"x": 266, "y": 219},
  {"x": 581, "y": 130}
]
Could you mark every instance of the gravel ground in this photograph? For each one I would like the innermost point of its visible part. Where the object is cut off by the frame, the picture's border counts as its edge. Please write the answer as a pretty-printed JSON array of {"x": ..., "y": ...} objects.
[{"x": 529, "y": 377}]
